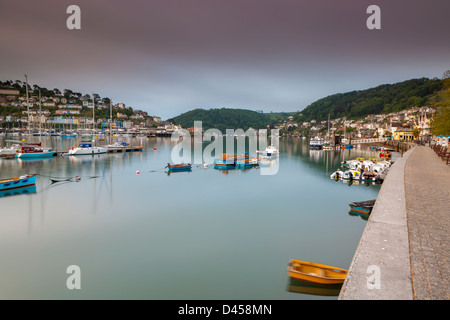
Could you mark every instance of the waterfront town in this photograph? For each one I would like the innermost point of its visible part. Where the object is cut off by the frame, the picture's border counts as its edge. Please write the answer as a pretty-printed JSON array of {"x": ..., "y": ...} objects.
[
  {"x": 406, "y": 125},
  {"x": 55, "y": 111}
]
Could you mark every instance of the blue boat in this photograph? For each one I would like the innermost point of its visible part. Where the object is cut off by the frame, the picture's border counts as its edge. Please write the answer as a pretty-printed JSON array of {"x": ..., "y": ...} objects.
[
  {"x": 244, "y": 161},
  {"x": 233, "y": 161},
  {"x": 363, "y": 207},
  {"x": 68, "y": 135},
  {"x": 179, "y": 167},
  {"x": 25, "y": 180},
  {"x": 33, "y": 150},
  {"x": 226, "y": 162},
  {"x": 118, "y": 145}
]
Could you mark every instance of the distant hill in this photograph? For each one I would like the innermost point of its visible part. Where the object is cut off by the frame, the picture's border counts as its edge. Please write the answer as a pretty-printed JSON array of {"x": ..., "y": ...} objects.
[
  {"x": 385, "y": 98},
  {"x": 226, "y": 118}
]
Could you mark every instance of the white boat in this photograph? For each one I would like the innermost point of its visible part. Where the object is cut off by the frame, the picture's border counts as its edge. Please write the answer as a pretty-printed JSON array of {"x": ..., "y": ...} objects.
[
  {"x": 8, "y": 151},
  {"x": 86, "y": 148},
  {"x": 316, "y": 143},
  {"x": 269, "y": 152},
  {"x": 345, "y": 175},
  {"x": 118, "y": 145},
  {"x": 338, "y": 174}
]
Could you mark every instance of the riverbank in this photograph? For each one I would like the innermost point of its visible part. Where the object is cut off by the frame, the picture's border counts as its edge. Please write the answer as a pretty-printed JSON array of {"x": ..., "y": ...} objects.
[{"x": 404, "y": 249}]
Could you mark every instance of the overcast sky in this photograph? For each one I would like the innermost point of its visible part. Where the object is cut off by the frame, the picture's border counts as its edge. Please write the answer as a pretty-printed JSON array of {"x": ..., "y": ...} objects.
[{"x": 170, "y": 56}]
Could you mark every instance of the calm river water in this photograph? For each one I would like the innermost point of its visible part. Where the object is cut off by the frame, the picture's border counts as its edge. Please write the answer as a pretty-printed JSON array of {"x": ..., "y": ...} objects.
[{"x": 205, "y": 234}]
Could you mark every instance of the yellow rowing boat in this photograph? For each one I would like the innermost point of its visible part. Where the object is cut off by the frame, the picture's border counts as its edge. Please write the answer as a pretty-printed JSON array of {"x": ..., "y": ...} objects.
[{"x": 315, "y": 272}]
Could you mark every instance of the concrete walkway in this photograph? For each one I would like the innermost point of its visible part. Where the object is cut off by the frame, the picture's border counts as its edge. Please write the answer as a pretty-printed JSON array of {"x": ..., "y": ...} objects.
[
  {"x": 380, "y": 269},
  {"x": 404, "y": 250},
  {"x": 427, "y": 187}
]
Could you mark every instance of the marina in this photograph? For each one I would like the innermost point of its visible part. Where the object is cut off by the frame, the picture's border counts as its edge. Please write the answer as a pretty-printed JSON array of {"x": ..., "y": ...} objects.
[{"x": 152, "y": 150}]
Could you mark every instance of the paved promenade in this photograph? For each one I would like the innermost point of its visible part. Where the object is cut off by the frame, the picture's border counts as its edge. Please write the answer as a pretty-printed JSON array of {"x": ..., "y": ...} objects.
[
  {"x": 427, "y": 187},
  {"x": 406, "y": 237}
]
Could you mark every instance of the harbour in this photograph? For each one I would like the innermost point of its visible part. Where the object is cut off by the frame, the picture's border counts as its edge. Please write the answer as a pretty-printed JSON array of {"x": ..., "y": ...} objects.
[
  {"x": 224, "y": 152},
  {"x": 126, "y": 238}
]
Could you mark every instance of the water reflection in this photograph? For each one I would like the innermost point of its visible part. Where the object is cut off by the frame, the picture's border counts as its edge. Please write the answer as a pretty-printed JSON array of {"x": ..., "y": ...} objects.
[
  {"x": 310, "y": 288},
  {"x": 357, "y": 182},
  {"x": 18, "y": 191},
  {"x": 363, "y": 216},
  {"x": 169, "y": 172}
]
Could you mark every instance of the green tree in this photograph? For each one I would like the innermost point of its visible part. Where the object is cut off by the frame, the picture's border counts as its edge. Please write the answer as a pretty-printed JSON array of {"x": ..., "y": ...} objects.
[{"x": 441, "y": 122}]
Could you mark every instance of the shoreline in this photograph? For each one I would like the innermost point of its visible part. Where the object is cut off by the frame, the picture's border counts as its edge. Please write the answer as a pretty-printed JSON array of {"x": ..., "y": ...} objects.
[{"x": 384, "y": 246}]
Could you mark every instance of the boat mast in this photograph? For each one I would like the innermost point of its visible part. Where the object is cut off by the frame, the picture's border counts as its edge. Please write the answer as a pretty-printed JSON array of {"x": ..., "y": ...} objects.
[
  {"x": 110, "y": 121},
  {"x": 328, "y": 132},
  {"x": 40, "y": 114},
  {"x": 93, "y": 114},
  {"x": 28, "y": 105}
]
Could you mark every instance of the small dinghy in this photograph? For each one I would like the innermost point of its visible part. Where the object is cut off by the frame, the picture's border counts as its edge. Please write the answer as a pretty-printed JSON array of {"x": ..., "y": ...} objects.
[
  {"x": 364, "y": 207},
  {"x": 315, "y": 272},
  {"x": 179, "y": 167}
]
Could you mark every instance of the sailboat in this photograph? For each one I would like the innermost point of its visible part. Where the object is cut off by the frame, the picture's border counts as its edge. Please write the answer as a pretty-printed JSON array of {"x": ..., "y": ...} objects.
[
  {"x": 9, "y": 151},
  {"x": 86, "y": 148},
  {"x": 328, "y": 143},
  {"x": 34, "y": 150}
]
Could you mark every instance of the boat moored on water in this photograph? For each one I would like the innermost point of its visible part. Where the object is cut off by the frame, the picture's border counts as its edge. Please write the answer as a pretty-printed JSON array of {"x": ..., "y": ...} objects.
[
  {"x": 68, "y": 135},
  {"x": 34, "y": 150},
  {"x": 364, "y": 207},
  {"x": 118, "y": 145},
  {"x": 316, "y": 143},
  {"x": 86, "y": 148},
  {"x": 269, "y": 152},
  {"x": 338, "y": 174},
  {"x": 362, "y": 164},
  {"x": 370, "y": 176},
  {"x": 22, "y": 181},
  {"x": 233, "y": 161},
  {"x": 12, "y": 150},
  {"x": 245, "y": 161},
  {"x": 227, "y": 161},
  {"x": 345, "y": 175},
  {"x": 315, "y": 272},
  {"x": 179, "y": 167}
]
